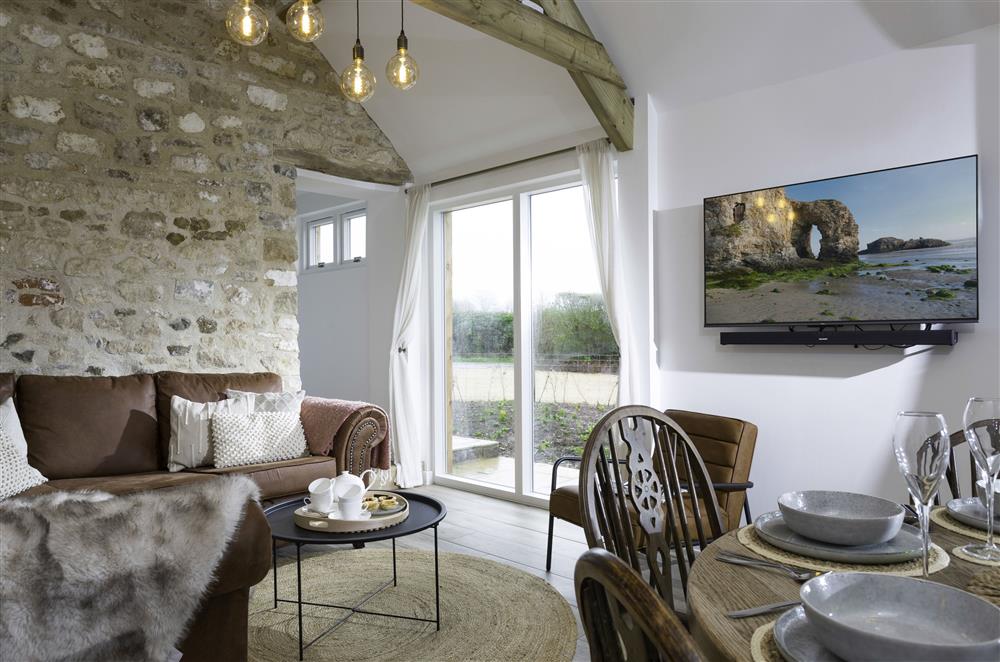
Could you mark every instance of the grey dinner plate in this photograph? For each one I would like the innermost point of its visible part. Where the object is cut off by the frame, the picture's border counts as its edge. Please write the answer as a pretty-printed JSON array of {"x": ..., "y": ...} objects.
[
  {"x": 866, "y": 617},
  {"x": 971, "y": 511},
  {"x": 796, "y": 640},
  {"x": 383, "y": 513},
  {"x": 904, "y": 547}
]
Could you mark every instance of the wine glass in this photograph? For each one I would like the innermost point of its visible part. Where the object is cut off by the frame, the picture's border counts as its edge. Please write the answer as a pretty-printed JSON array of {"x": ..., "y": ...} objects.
[
  {"x": 982, "y": 431},
  {"x": 922, "y": 448}
]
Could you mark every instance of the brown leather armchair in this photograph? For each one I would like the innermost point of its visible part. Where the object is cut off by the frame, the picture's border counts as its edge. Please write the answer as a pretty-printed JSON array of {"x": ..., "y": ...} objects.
[{"x": 725, "y": 444}]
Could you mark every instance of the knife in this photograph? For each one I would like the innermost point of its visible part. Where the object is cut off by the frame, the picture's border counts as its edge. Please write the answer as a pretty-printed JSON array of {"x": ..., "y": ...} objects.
[{"x": 763, "y": 609}]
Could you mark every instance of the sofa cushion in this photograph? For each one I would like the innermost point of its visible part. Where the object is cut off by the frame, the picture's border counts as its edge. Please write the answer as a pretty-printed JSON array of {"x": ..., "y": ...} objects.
[
  {"x": 191, "y": 430},
  {"x": 203, "y": 387},
  {"x": 284, "y": 478},
  {"x": 88, "y": 426},
  {"x": 128, "y": 484}
]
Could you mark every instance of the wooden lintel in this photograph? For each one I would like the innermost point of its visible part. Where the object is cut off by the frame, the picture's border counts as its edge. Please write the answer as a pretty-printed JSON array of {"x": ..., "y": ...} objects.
[
  {"x": 610, "y": 104},
  {"x": 541, "y": 35}
]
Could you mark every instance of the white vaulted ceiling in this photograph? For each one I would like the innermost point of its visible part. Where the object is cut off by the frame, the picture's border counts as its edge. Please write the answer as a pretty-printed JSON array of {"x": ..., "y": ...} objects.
[
  {"x": 481, "y": 102},
  {"x": 476, "y": 97}
]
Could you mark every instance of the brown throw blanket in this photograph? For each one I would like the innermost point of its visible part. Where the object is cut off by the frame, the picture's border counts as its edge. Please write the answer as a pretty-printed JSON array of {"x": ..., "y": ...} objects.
[
  {"x": 91, "y": 576},
  {"x": 322, "y": 419}
]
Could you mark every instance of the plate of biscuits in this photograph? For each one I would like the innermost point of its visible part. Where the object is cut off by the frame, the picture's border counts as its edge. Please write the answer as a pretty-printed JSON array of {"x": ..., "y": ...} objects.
[{"x": 381, "y": 504}]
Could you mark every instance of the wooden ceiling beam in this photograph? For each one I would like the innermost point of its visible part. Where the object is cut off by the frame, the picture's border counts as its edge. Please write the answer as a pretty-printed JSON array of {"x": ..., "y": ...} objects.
[
  {"x": 519, "y": 25},
  {"x": 611, "y": 105}
]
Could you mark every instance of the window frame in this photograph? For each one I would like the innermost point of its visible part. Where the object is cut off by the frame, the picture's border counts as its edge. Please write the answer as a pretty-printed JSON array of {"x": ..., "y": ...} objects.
[
  {"x": 345, "y": 235},
  {"x": 520, "y": 194},
  {"x": 338, "y": 217}
]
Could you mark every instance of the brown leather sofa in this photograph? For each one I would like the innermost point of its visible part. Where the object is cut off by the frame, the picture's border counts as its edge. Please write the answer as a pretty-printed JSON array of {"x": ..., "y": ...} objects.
[{"x": 112, "y": 434}]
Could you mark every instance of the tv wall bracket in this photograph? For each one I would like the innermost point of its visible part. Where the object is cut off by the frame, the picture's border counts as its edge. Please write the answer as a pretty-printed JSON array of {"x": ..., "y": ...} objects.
[{"x": 843, "y": 335}]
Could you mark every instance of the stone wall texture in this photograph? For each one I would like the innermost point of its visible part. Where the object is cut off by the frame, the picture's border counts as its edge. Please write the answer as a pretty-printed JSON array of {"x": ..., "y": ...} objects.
[{"x": 147, "y": 196}]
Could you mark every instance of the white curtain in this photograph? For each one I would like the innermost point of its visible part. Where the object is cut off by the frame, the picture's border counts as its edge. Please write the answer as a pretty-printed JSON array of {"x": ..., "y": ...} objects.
[
  {"x": 600, "y": 194},
  {"x": 408, "y": 406}
]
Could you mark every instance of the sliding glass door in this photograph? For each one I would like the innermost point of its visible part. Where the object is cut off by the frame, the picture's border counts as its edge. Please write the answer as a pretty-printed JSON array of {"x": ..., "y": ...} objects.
[
  {"x": 573, "y": 351},
  {"x": 479, "y": 291},
  {"x": 527, "y": 360}
]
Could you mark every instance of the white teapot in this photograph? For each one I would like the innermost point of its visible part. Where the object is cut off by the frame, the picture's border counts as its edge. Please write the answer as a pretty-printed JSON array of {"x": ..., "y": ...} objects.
[{"x": 348, "y": 486}]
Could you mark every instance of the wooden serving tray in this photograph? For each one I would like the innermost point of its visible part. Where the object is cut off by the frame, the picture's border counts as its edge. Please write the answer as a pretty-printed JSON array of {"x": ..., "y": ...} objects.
[{"x": 311, "y": 521}]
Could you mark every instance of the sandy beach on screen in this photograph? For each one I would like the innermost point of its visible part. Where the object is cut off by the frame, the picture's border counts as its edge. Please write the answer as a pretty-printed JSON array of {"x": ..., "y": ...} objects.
[{"x": 898, "y": 294}]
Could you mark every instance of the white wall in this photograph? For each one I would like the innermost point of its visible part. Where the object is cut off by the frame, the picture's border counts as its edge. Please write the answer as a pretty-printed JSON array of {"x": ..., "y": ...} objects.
[
  {"x": 333, "y": 332},
  {"x": 386, "y": 223},
  {"x": 825, "y": 415},
  {"x": 345, "y": 314}
]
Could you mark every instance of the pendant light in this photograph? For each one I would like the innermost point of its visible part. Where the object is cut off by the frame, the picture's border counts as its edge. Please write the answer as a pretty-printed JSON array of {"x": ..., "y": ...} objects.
[
  {"x": 402, "y": 70},
  {"x": 305, "y": 21},
  {"x": 246, "y": 23},
  {"x": 358, "y": 82}
]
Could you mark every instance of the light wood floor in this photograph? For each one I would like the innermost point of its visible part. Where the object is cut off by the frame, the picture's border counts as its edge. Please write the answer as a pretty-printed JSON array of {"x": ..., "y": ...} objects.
[{"x": 506, "y": 532}]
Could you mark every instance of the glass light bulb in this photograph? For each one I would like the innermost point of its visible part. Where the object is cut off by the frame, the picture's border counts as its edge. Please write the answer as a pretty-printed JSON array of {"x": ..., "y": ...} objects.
[
  {"x": 357, "y": 82},
  {"x": 402, "y": 70},
  {"x": 305, "y": 21},
  {"x": 246, "y": 23}
]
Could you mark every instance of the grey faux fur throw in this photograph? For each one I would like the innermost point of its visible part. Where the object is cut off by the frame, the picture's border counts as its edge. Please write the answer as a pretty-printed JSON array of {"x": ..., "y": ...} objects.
[{"x": 91, "y": 576}]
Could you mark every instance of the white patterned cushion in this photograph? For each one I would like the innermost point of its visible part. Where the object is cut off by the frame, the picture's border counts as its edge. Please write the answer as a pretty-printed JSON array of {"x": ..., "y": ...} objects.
[
  {"x": 256, "y": 438},
  {"x": 273, "y": 402},
  {"x": 12, "y": 425},
  {"x": 16, "y": 475},
  {"x": 190, "y": 429}
]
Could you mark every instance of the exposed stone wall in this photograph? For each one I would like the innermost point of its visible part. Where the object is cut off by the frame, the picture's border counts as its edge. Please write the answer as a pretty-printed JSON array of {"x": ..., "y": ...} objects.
[{"x": 147, "y": 192}]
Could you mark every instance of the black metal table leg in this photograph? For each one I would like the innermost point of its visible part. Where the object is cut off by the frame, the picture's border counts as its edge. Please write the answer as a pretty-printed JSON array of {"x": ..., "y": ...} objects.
[
  {"x": 437, "y": 583},
  {"x": 274, "y": 568},
  {"x": 394, "y": 583},
  {"x": 298, "y": 586}
]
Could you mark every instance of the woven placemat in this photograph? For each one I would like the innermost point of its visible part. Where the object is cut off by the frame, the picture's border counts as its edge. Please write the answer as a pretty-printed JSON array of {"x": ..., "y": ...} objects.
[
  {"x": 986, "y": 584},
  {"x": 941, "y": 517},
  {"x": 751, "y": 540},
  {"x": 763, "y": 647},
  {"x": 960, "y": 553}
]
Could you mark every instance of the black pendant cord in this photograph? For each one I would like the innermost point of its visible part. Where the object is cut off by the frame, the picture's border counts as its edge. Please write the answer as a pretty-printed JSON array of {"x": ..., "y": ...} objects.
[
  {"x": 358, "y": 51},
  {"x": 401, "y": 42}
]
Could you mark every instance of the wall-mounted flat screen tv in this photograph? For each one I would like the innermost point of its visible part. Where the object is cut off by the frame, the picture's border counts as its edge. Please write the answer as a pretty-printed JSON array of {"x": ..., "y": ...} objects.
[{"x": 890, "y": 246}]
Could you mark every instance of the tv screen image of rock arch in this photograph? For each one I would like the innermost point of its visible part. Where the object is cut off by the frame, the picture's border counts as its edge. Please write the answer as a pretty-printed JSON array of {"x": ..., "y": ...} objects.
[{"x": 894, "y": 245}]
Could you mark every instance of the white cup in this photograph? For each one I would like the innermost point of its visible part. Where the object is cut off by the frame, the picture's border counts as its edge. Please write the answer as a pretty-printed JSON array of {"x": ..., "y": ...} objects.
[
  {"x": 349, "y": 508},
  {"x": 320, "y": 499}
]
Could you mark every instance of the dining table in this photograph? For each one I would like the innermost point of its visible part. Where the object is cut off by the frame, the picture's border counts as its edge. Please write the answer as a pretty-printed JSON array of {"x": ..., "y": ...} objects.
[{"x": 716, "y": 588}]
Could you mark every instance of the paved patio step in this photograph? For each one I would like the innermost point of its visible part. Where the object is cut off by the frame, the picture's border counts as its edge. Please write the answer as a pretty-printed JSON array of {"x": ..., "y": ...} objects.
[{"x": 464, "y": 449}]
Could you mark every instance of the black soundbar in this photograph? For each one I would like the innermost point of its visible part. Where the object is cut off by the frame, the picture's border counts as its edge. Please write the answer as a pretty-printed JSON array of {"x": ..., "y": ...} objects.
[{"x": 857, "y": 338}]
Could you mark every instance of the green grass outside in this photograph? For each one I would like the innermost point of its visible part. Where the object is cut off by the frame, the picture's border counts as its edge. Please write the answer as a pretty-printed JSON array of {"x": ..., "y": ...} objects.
[{"x": 479, "y": 358}]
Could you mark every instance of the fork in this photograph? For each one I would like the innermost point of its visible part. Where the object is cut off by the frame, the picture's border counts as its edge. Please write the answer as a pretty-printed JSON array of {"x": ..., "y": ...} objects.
[{"x": 796, "y": 574}]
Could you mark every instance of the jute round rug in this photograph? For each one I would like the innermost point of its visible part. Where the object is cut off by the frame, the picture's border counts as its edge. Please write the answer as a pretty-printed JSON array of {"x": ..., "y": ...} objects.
[{"x": 489, "y": 611}]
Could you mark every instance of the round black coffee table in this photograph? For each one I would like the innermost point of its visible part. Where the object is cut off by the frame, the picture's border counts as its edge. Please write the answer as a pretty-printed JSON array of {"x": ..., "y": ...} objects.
[{"x": 425, "y": 513}]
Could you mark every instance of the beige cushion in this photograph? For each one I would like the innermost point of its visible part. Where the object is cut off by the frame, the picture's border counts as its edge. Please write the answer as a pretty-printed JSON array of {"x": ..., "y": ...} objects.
[
  {"x": 190, "y": 429},
  {"x": 282, "y": 401}
]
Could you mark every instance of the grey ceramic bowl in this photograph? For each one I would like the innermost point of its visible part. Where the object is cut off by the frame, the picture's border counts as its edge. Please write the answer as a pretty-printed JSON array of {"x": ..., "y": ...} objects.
[
  {"x": 841, "y": 518},
  {"x": 981, "y": 491},
  {"x": 867, "y": 618}
]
